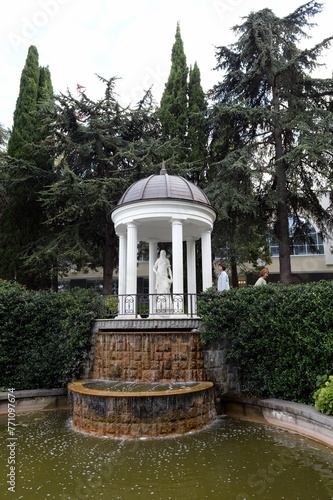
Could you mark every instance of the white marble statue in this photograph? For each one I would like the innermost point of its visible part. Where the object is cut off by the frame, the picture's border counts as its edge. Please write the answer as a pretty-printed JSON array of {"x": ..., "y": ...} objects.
[{"x": 162, "y": 268}]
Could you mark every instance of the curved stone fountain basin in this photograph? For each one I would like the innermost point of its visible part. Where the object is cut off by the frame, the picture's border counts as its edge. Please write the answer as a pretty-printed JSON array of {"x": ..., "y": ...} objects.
[{"x": 146, "y": 413}]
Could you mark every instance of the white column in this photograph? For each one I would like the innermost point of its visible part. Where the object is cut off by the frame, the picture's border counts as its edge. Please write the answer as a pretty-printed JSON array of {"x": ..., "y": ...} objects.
[
  {"x": 177, "y": 267},
  {"x": 327, "y": 250},
  {"x": 122, "y": 271},
  {"x": 152, "y": 260},
  {"x": 191, "y": 276},
  {"x": 152, "y": 275},
  {"x": 177, "y": 257},
  {"x": 122, "y": 264},
  {"x": 191, "y": 268},
  {"x": 206, "y": 252},
  {"x": 131, "y": 267}
]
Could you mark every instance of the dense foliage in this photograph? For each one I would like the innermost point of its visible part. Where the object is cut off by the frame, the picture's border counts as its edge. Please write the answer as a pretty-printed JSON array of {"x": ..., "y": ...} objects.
[
  {"x": 183, "y": 117},
  {"x": 44, "y": 337},
  {"x": 271, "y": 119},
  {"x": 198, "y": 130},
  {"x": 281, "y": 336},
  {"x": 24, "y": 172},
  {"x": 173, "y": 110},
  {"x": 100, "y": 149},
  {"x": 260, "y": 148}
]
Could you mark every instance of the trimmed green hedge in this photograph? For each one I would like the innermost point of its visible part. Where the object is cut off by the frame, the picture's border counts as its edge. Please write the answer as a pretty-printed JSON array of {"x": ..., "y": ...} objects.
[
  {"x": 281, "y": 336},
  {"x": 44, "y": 337}
]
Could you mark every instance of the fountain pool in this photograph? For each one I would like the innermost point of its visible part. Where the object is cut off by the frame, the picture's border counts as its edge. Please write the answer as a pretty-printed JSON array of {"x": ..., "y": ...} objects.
[
  {"x": 230, "y": 459},
  {"x": 138, "y": 409}
]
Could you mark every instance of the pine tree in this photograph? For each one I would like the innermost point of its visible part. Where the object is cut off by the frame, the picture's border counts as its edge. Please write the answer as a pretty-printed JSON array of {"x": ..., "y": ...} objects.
[
  {"x": 267, "y": 86},
  {"x": 101, "y": 148},
  {"x": 240, "y": 233}
]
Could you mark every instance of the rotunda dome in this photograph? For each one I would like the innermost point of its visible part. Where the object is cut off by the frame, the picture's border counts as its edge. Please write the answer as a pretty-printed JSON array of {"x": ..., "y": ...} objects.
[{"x": 156, "y": 187}]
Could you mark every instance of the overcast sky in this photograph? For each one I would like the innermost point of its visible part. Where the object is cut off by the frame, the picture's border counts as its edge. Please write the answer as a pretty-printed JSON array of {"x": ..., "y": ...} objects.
[{"x": 130, "y": 39}]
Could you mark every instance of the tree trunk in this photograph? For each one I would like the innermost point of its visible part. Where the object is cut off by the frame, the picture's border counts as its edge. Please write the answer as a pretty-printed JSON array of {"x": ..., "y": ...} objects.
[
  {"x": 109, "y": 258},
  {"x": 282, "y": 224},
  {"x": 54, "y": 280},
  {"x": 234, "y": 272}
]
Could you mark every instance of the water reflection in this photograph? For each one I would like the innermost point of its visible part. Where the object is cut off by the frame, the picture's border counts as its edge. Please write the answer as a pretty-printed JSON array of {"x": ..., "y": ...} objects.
[{"x": 229, "y": 460}]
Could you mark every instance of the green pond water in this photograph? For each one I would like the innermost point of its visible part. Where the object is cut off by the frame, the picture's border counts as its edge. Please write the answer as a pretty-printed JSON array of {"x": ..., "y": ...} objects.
[{"x": 229, "y": 460}]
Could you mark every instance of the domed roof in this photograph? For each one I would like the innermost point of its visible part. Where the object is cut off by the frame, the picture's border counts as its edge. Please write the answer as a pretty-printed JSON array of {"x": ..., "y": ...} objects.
[{"x": 163, "y": 186}]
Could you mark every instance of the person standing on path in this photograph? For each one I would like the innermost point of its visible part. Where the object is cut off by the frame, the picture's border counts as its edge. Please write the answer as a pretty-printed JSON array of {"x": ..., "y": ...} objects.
[
  {"x": 223, "y": 279},
  {"x": 263, "y": 276}
]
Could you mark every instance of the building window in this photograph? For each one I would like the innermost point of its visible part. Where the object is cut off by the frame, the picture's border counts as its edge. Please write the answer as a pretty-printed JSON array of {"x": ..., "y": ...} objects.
[
  {"x": 303, "y": 241},
  {"x": 96, "y": 285}
]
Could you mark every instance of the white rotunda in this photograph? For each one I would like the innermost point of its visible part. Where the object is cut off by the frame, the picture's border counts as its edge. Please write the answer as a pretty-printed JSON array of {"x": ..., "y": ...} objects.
[{"x": 163, "y": 208}]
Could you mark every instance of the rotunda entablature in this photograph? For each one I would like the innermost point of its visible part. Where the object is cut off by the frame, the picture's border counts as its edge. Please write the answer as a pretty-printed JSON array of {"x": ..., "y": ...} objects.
[{"x": 154, "y": 217}]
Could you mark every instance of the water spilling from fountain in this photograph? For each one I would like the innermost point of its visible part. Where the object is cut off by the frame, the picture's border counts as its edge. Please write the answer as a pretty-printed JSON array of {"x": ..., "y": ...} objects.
[{"x": 148, "y": 356}]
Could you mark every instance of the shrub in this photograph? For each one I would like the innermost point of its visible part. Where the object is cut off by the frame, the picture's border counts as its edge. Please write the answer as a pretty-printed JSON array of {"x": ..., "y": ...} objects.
[
  {"x": 110, "y": 307},
  {"x": 44, "y": 337},
  {"x": 11, "y": 285},
  {"x": 324, "y": 395},
  {"x": 281, "y": 336}
]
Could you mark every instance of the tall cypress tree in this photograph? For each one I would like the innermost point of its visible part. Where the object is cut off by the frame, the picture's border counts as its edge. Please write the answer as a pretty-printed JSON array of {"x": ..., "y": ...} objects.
[
  {"x": 183, "y": 118},
  {"x": 197, "y": 134},
  {"x": 26, "y": 172},
  {"x": 182, "y": 114},
  {"x": 25, "y": 119},
  {"x": 173, "y": 109},
  {"x": 45, "y": 104}
]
